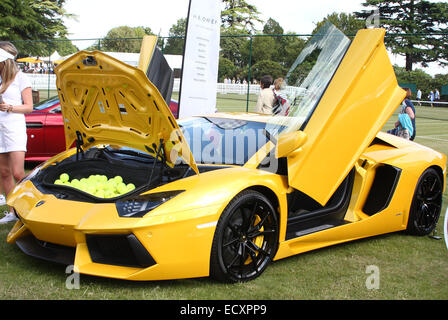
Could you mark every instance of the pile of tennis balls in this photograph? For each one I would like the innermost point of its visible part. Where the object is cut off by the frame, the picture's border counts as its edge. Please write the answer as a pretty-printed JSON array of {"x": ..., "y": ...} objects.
[{"x": 97, "y": 185}]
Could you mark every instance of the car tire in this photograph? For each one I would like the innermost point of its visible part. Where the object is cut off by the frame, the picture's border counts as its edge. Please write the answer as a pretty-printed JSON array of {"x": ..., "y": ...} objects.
[
  {"x": 245, "y": 240},
  {"x": 426, "y": 204}
]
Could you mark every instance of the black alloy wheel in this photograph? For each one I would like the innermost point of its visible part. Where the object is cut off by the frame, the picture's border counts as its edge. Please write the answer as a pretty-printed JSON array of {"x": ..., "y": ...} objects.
[
  {"x": 246, "y": 238},
  {"x": 426, "y": 204}
]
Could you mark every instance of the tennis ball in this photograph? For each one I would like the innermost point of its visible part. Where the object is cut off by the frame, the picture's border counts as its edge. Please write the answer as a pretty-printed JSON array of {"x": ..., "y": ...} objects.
[
  {"x": 121, "y": 188},
  {"x": 92, "y": 188},
  {"x": 75, "y": 183},
  {"x": 64, "y": 177},
  {"x": 100, "y": 194},
  {"x": 109, "y": 194},
  {"x": 118, "y": 179},
  {"x": 130, "y": 187},
  {"x": 59, "y": 182}
]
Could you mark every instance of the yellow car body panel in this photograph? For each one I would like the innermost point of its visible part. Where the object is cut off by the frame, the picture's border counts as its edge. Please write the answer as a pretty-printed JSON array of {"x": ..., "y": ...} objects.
[
  {"x": 105, "y": 101},
  {"x": 346, "y": 108},
  {"x": 393, "y": 218},
  {"x": 146, "y": 51}
]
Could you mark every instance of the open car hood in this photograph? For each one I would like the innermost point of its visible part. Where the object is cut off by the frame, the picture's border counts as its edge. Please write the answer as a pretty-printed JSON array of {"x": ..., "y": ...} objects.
[{"x": 107, "y": 102}]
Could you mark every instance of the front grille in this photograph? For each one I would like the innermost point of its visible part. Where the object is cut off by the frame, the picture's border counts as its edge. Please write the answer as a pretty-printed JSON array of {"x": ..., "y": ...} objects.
[{"x": 120, "y": 250}]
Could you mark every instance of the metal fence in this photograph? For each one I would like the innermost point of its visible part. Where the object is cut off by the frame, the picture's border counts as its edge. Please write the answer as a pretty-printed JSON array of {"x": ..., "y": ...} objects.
[{"x": 242, "y": 93}]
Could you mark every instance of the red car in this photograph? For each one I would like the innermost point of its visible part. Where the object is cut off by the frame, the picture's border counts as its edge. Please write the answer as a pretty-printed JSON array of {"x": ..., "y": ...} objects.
[{"x": 45, "y": 129}]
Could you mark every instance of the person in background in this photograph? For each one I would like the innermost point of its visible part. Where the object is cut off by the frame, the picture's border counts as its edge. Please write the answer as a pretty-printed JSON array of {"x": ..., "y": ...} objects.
[
  {"x": 16, "y": 100},
  {"x": 405, "y": 126},
  {"x": 266, "y": 96},
  {"x": 410, "y": 110},
  {"x": 437, "y": 95},
  {"x": 278, "y": 85},
  {"x": 419, "y": 96},
  {"x": 431, "y": 97},
  {"x": 280, "y": 106}
]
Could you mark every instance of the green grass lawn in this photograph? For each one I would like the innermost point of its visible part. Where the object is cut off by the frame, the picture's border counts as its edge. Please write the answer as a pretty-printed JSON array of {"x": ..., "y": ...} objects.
[{"x": 410, "y": 267}]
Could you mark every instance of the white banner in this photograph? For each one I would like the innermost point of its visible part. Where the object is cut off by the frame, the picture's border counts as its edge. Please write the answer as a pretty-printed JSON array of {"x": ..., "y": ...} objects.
[{"x": 201, "y": 58}]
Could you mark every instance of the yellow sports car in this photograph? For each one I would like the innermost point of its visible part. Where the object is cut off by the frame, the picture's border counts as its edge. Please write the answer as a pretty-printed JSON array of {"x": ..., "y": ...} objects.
[{"x": 146, "y": 197}]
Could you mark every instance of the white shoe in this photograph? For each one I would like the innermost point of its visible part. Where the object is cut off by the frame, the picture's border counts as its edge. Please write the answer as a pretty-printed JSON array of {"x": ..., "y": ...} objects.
[
  {"x": 9, "y": 217},
  {"x": 2, "y": 200}
]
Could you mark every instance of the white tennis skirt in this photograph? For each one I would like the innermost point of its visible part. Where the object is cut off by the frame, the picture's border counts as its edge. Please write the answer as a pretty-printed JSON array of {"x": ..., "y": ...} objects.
[{"x": 12, "y": 136}]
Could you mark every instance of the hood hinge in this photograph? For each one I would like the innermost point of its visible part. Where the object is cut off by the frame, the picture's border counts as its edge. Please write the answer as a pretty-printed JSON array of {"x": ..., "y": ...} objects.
[{"x": 79, "y": 143}]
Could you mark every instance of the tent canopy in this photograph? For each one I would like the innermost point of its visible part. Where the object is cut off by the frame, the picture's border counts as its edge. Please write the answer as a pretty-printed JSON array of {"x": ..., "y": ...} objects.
[{"x": 29, "y": 60}]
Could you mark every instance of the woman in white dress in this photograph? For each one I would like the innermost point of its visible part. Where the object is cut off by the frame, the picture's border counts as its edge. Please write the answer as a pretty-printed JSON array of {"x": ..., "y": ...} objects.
[{"x": 17, "y": 99}]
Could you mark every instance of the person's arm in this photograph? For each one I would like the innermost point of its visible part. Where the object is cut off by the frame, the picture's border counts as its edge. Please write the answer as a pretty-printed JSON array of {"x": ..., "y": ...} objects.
[
  {"x": 410, "y": 112},
  {"x": 26, "y": 107}
]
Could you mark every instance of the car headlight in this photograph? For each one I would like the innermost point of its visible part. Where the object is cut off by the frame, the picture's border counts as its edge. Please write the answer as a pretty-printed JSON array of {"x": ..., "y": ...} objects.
[{"x": 137, "y": 207}]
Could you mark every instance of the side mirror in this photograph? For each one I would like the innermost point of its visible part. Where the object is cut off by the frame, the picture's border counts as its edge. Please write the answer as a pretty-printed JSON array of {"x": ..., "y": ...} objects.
[{"x": 289, "y": 142}]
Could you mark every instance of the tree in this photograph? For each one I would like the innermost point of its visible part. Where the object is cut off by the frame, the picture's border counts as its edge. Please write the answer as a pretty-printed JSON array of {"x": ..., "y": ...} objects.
[
  {"x": 421, "y": 79},
  {"x": 124, "y": 39},
  {"x": 63, "y": 46},
  {"x": 37, "y": 20},
  {"x": 226, "y": 69},
  {"x": 175, "y": 44},
  {"x": 292, "y": 46},
  {"x": 263, "y": 48},
  {"x": 286, "y": 47},
  {"x": 232, "y": 42},
  {"x": 267, "y": 67},
  {"x": 240, "y": 15},
  {"x": 349, "y": 24},
  {"x": 419, "y": 20},
  {"x": 272, "y": 27}
]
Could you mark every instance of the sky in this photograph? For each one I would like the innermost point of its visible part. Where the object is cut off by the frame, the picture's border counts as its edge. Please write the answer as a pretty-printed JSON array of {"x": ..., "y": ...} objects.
[{"x": 96, "y": 17}]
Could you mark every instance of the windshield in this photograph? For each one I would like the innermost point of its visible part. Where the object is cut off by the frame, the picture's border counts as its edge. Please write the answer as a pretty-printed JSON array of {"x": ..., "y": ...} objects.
[
  {"x": 309, "y": 76},
  {"x": 225, "y": 141},
  {"x": 46, "y": 103}
]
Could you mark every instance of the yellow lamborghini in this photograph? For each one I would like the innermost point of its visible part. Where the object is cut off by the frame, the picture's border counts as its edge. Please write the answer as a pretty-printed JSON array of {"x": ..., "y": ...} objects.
[{"x": 146, "y": 197}]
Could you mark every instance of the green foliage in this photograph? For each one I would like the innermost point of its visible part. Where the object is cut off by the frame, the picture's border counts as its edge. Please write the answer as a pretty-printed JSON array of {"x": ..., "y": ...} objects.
[
  {"x": 290, "y": 49},
  {"x": 263, "y": 48},
  {"x": 268, "y": 67},
  {"x": 226, "y": 68},
  {"x": 64, "y": 46},
  {"x": 421, "y": 79},
  {"x": 125, "y": 39},
  {"x": 175, "y": 45},
  {"x": 272, "y": 27},
  {"x": 233, "y": 44},
  {"x": 417, "y": 19},
  {"x": 240, "y": 15},
  {"x": 299, "y": 74},
  {"x": 349, "y": 24},
  {"x": 36, "y": 20}
]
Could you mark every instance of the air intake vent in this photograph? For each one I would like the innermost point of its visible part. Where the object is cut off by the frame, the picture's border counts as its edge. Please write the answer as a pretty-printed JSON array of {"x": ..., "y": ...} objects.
[{"x": 120, "y": 250}]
